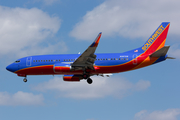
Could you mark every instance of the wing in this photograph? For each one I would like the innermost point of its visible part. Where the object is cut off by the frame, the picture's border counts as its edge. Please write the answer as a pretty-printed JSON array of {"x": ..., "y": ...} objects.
[{"x": 87, "y": 58}]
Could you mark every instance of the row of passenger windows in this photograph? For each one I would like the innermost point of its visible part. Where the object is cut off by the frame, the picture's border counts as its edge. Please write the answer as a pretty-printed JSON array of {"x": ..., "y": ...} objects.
[
  {"x": 113, "y": 59},
  {"x": 74, "y": 60},
  {"x": 46, "y": 60}
]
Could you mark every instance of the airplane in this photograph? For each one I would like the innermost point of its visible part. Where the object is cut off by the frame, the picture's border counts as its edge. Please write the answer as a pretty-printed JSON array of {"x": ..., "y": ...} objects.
[{"x": 75, "y": 67}]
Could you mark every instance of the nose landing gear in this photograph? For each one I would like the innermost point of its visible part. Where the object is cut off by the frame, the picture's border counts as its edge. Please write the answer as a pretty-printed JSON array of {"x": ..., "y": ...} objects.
[{"x": 25, "y": 79}]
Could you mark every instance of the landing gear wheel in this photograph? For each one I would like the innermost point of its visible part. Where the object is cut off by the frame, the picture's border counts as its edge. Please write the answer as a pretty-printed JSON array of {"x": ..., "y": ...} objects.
[
  {"x": 25, "y": 80},
  {"x": 89, "y": 81}
]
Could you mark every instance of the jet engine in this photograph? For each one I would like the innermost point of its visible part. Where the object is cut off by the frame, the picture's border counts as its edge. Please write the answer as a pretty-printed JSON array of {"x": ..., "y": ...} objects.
[{"x": 61, "y": 68}]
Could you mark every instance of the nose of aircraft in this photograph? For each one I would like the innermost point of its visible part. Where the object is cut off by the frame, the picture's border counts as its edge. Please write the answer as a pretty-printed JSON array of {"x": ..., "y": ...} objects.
[{"x": 11, "y": 68}]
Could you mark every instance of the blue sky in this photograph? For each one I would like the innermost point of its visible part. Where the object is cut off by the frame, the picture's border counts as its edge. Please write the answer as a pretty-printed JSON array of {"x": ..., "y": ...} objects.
[{"x": 34, "y": 27}]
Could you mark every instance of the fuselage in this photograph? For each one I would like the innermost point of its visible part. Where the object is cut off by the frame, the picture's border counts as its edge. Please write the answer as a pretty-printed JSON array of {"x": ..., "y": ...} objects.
[{"x": 104, "y": 63}]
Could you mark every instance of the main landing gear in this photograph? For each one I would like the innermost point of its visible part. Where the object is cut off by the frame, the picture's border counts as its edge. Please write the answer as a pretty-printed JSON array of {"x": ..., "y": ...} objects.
[
  {"x": 25, "y": 79},
  {"x": 86, "y": 76},
  {"x": 89, "y": 80}
]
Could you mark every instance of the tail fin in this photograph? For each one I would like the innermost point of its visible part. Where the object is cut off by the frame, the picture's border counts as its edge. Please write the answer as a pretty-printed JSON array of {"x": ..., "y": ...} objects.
[{"x": 157, "y": 39}]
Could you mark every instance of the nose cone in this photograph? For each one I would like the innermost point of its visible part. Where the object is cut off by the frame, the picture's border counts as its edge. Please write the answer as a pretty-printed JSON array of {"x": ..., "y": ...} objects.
[{"x": 11, "y": 68}]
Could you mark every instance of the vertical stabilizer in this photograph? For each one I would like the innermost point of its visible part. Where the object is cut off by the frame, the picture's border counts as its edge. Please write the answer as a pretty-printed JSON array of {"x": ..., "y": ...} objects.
[{"x": 157, "y": 39}]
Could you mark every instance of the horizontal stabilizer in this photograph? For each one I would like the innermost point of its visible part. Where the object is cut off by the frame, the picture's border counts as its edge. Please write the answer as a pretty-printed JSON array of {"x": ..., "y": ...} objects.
[
  {"x": 161, "y": 52},
  {"x": 170, "y": 58}
]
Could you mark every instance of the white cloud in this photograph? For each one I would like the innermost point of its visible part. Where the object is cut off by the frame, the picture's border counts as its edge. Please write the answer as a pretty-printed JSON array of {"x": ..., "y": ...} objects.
[
  {"x": 101, "y": 87},
  {"x": 133, "y": 19},
  {"x": 20, "y": 99},
  {"x": 169, "y": 114},
  {"x": 24, "y": 29}
]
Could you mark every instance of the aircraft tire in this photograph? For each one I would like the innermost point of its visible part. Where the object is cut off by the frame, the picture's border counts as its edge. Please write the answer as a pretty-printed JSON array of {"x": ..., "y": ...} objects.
[
  {"x": 25, "y": 80},
  {"x": 89, "y": 81}
]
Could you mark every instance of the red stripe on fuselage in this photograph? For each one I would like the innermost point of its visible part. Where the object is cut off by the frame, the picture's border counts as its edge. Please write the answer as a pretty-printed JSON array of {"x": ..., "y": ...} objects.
[
  {"x": 37, "y": 70},
  {"x": 44, "y": 70}
]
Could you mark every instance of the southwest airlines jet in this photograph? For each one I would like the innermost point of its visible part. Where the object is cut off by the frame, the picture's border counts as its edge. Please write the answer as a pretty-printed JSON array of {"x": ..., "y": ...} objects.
[{"x": 76, "y": 67}]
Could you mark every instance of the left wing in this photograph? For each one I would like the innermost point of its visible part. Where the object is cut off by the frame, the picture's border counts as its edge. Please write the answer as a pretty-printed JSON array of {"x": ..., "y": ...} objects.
[{"x": 87, "y": 58}]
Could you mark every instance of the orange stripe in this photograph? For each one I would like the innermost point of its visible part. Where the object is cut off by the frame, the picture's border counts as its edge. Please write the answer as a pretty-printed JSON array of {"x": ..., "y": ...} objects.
[
  {"x": 146, "y": 62},
  {"x": 162, "y": 45}
]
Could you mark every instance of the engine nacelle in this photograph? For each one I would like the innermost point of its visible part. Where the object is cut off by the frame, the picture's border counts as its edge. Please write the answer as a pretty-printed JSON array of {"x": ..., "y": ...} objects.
[
  {"x": 72, "y": 78},
  {"x": 61, "y": 68}
]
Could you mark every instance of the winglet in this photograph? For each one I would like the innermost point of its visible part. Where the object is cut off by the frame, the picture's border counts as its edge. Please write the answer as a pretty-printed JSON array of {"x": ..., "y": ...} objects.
[{"x": 96, "y": 41}]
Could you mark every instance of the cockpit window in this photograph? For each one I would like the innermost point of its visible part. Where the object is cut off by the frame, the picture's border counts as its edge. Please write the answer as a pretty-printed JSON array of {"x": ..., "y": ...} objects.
[{"x": 17, "y": 61}]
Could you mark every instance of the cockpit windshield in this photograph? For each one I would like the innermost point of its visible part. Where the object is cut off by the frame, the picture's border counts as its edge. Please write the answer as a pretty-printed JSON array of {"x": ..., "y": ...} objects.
[{"x": 17, "y": 61}]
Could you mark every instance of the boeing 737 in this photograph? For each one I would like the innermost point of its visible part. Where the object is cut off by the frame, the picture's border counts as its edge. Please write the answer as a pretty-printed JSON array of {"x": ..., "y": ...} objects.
[{"x": 76, "y": 67}]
